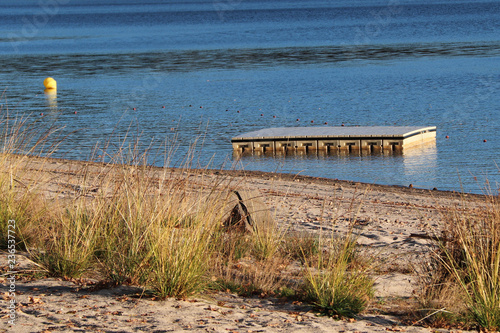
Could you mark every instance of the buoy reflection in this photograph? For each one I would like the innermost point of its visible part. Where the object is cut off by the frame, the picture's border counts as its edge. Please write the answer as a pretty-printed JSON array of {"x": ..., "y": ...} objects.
[{"x": 51, "y": 98}]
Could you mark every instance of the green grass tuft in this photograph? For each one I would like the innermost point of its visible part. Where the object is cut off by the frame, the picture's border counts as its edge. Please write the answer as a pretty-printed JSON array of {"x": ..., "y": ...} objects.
[
  {"x": 466, "y": 267},
  {"x": 333, "y": 286}
]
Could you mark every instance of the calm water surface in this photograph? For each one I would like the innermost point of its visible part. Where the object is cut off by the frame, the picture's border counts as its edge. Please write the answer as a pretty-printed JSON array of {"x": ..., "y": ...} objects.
[{"x": 222, "y": 68}]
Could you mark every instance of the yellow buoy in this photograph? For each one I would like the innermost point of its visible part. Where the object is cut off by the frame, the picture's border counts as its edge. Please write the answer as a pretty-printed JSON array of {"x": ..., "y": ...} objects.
[{"x": 50, "y": 83}]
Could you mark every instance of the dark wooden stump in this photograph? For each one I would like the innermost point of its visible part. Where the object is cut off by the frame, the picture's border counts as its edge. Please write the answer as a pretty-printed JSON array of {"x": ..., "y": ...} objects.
[{"x": 248, "y": 212}]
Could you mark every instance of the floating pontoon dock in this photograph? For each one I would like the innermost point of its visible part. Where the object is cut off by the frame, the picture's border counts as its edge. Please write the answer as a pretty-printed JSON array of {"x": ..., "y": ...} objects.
[{"x": 330, "y": 139}]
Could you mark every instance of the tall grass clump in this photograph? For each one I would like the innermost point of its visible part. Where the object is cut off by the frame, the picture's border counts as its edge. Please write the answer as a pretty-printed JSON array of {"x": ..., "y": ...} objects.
[
  {"x": 466, "y": 266},
  {"x": 144, "y": 226},
  {"x": 157, "y": 227},
  {"x": 183, "y": 237},
  {"x": 127, "y": 211},
  {"x": 335, "y": 285},
  {"x": 17, "y": 201},
  {"x": 67, "y": 242},
  {"x": 179, "y": 255},
  {"x": 20, "y": 138}
]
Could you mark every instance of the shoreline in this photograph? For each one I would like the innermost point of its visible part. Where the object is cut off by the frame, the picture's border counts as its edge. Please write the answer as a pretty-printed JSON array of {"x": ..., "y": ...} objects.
[{"x": 285, "y": 177}]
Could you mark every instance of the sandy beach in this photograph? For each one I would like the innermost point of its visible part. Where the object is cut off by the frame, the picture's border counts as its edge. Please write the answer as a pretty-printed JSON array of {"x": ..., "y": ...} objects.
[{"x": 391, "y": 222}]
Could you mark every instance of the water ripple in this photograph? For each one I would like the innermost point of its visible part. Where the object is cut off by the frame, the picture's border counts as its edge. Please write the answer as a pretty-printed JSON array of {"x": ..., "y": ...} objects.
[{"x": 195, "y": 60}]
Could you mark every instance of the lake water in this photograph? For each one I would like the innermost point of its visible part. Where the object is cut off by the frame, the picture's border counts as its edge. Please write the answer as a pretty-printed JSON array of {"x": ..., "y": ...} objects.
[{"x": 206, "y": 71}]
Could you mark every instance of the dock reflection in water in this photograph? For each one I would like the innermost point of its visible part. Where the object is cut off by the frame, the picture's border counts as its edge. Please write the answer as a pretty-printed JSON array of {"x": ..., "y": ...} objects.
[
  {"x": 421, "y": 160},
  {"x": 416, "y": 165}
]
